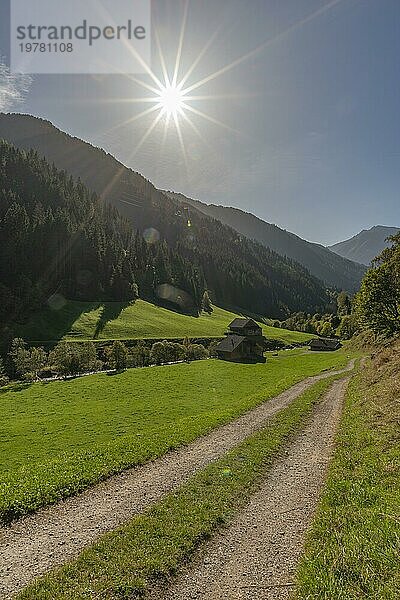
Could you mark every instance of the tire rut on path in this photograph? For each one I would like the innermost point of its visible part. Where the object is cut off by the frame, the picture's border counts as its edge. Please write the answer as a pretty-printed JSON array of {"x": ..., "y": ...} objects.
[
  {"x": 256, "y": 556},
  {"x": 54, "y": 535}
]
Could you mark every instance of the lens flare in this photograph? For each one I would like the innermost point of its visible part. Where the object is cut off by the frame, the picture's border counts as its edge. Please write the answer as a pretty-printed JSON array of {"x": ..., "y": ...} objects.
[
  {"x": 171, "y": 100},
  {"x": 171, "y": 94}
]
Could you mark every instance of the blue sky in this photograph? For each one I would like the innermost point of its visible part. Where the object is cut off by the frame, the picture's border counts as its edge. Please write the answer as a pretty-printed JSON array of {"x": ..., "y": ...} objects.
[{"x": 311, "y": 138}]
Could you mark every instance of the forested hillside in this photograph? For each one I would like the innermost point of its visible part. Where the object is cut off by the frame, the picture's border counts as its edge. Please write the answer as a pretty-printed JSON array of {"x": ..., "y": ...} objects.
[
  {"x": 202, "y": 252},
  {"x": 147, "y": 207},
  {"x": 335, "y": 270},
  {"x": 57, "y": 237}
]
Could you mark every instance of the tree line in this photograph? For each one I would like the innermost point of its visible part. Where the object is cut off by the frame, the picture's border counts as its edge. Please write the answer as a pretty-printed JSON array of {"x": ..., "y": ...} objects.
[
  {"x": 340, "y": 322},
  {"x": 375, "y": 308},
  {"x": 77, "y": 358},
  {"x": 377, "y": 305}
]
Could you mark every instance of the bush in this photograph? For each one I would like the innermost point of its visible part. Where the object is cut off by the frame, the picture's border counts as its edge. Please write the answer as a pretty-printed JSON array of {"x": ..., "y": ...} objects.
[
  {"x": 74, "y": 358},
  {"x": 157, "y": 354},
  {"x": 139, "y": 356},
  {"x": 196, "y": 352},
  {"x": 27, "y": 362},
  {"x": 212, "y": 349},
  {"x": 165, "y": 352},
  {"x": 326, "y": 330},
  {"x": 119, "y": 356},
  {"x": 18, "y": 356},
  {"x": 348, "y": 327}
]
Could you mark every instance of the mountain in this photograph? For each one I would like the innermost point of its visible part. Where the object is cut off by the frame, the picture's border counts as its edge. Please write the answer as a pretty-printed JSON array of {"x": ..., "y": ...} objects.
[
  {"x": 58, "y": 241},
  {"x": 336, "y": 271},
  {"x": 366, "y": 245},
  {"x": 192, "y": 251}
]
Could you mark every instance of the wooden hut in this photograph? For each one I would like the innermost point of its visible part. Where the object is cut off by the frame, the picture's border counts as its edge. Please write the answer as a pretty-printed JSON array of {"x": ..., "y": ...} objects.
[
  {"x": 325, "y": 345},
  {"x": 244, "y": 342}
]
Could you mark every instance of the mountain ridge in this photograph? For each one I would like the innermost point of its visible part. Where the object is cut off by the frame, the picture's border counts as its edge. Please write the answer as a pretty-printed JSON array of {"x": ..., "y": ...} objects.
[
  {"x": 320, "y": 261},
  {"x": 240, "y": 273},
  {"x": 366, "y": 245}
]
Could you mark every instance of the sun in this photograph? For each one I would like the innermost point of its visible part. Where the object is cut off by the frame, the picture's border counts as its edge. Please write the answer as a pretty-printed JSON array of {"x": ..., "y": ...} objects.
[
  {"x": 171, "y": 94},
  {"x": 171, "y": 100}
]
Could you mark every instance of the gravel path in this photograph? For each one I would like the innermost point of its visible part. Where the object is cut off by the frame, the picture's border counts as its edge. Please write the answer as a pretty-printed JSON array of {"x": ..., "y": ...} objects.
[
  {"x": 50, "y": 537},
  {"x": 255, "y": 558}
]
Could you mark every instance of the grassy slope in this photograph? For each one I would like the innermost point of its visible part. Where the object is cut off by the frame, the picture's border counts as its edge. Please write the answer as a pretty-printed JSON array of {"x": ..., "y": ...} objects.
[
  {"x": 113, "y": 320},
  {"x": 57, "y": 438},
  {"x": 354, "y": 547},
  {"x": 155, "y": 543}
]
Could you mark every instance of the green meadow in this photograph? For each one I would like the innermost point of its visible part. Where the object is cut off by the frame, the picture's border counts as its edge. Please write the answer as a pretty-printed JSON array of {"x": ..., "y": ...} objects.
[
  {"x": 125, "y": 563},
  {"x": 58, "y": 438},
  {"x": 114, "y": 320}
]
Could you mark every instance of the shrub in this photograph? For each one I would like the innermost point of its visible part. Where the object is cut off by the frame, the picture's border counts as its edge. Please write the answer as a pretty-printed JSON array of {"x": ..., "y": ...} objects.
[
  {"x": 119, "y": 356},
  {"x": 27, "y": 362},
  {"x": 157, "y": 354},
  {"x": 196, "y": 352},
  {"x": 74, "y": 358},
  {"x": 348, "y": 327},
  {"x": 164, "y": 352},
  {"x": 139, "y": 355},
  {"x": 18, "y": 356},
  {"x": 212, "y": 349}
]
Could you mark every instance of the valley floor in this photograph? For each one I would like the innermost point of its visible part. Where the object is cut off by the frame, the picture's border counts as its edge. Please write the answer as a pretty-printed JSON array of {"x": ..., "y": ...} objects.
[
  {"x": 31, "y": 546},
  {"x": 60, "y": 437},
  {"x": 226, "y": 516}
]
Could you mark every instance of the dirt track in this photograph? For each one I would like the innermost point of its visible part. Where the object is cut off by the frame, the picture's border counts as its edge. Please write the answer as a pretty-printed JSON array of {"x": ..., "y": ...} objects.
[
  {"x": 255, "y": 558},
  {"x": 50, "y": 537}
]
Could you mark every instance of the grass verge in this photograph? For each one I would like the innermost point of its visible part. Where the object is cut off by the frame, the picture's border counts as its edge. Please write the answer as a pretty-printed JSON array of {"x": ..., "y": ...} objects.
[
  {"x": 58, "y": 438},
  {"x": 353, "y": 549},
  {"x": 124, "y": 562}
]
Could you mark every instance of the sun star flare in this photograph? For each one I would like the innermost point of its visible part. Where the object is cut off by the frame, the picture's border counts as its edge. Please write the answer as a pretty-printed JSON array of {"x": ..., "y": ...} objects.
[{"x": 171, "y": 100}]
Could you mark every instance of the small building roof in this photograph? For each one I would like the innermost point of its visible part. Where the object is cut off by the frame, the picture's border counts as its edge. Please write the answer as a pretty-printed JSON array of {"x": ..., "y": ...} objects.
[
  {"x": 230, "y": 343},
  {"x": 243, "y": 323},
  {"x": 325, "y": 343}
]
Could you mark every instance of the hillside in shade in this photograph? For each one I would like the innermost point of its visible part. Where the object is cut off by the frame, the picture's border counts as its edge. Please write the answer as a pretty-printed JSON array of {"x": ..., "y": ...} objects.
[
  {"x": 188, "y": 251},
  {"x": 334, "y": 270}
]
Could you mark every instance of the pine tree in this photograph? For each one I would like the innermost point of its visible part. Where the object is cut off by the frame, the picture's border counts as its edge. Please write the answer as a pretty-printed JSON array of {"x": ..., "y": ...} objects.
[
  {"x": 119, "y": 355},
  {"x": 206, "y": 304}
]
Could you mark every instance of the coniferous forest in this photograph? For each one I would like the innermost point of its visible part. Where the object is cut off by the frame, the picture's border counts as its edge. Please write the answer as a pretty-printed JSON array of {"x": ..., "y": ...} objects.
[{"x": 57, "y": 237}]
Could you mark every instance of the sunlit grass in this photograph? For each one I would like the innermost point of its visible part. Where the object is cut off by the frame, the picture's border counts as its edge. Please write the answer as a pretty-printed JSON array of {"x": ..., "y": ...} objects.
[
  {"x": 156, "y": 543},
  {"x": 354, "y": 548},
  {"x": 113, "y": 320},
  {"x": 60, "y": 437}
]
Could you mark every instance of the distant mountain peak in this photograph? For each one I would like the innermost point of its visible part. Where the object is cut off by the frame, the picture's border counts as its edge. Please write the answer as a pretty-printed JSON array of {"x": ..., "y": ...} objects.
[{"x": 366, "y": 245}]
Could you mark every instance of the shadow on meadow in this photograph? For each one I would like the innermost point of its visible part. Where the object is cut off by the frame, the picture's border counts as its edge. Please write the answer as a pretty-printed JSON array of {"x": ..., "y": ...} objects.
[
  {"x": 50, "y": 325},
  {"x": 110, "y": 311},
  {"x": 16, "y": 388}
]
